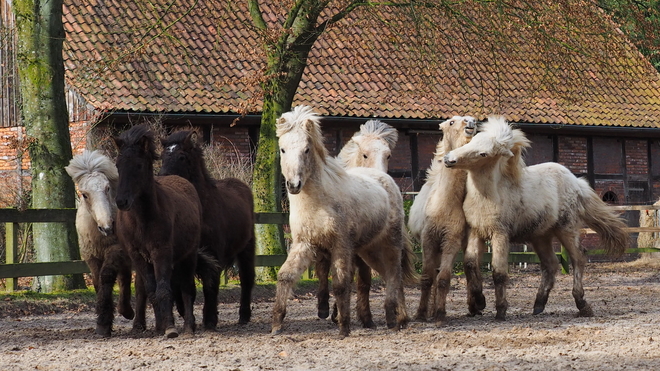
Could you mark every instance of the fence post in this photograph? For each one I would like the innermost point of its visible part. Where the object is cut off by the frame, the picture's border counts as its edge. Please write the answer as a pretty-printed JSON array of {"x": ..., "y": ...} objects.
[
  {"x": 11, "y": 253},
  {"x": 564, "y": 260}
]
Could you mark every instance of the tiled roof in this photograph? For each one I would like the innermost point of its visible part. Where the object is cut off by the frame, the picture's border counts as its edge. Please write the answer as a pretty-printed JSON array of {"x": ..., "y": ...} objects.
[{"x": 207, "y": 62}]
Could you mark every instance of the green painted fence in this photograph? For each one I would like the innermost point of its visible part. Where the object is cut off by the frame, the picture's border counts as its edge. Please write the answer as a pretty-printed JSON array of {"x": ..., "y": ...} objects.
[{"x": 12, "y": 269}]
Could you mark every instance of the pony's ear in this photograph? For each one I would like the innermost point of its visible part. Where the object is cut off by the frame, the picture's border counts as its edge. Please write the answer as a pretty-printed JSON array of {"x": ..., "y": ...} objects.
[
  {"x": 309, "y": 126},
  {"x": 191, "y": 139},
  {"x": 507, "y": 152},
  {"x": 144, "y": 144}
]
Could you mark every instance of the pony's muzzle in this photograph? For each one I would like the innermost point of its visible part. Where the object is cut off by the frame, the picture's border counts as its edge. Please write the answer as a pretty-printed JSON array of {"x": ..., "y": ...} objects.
[
  {"x": 106, "y": 231},
  {"x": 294, "y": 187},
  {"x": 123, "y": 204},
  {"x": 449, "y": 160}
]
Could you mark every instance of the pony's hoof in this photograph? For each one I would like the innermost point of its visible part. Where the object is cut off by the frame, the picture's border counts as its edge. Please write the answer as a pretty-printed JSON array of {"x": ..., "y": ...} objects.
[
  {"x": 127, "y": 312},
  {"x": 324, "y": 313},
  {"x": 276, "y": 331},
  {"x": 586, "y": 312},
  {"x": 104, "y": 331},
  {"x": 369, "y": 324},
  {"x": 420, "y": 318},
  {"x": 538, "y": 311},
  {"x": 500, "y": 317},
  {"x": 171, "y": 333}
]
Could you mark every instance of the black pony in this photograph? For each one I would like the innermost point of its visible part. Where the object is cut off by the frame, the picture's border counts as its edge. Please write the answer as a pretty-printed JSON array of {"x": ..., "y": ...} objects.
[
  {"x": 159, "y": 224},
  {"x": 227, "y": 222}
]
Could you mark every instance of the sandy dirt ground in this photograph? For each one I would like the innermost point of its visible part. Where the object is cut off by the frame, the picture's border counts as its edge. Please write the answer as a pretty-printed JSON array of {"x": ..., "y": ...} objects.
[{"x": 624, "y": 334}]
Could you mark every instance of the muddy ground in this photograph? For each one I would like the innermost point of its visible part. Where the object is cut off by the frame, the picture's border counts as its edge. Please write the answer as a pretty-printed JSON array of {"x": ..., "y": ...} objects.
[{"x": 623, "y": 335}]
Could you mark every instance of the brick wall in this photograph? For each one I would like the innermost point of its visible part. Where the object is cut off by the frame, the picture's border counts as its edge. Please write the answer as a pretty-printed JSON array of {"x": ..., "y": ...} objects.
[
  {"x": 637, "y": 157},
  {"x": 233, "y": 141},
  {"x": 573, "y": 154}
]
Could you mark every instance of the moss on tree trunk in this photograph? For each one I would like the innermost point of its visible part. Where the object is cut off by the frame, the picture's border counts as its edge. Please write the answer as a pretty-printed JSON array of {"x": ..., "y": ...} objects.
[{"x": 44, "y": 114}]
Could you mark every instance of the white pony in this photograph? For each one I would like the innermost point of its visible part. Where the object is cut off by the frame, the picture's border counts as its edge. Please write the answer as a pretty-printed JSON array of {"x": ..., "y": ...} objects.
[
  {"x": 96, "y": 178},
  {"x": 372, "y": 146},
  {"x": 345, "y": 212},
  {"x": 508, "y": 201},
  {"x": 437, "y": 219}
]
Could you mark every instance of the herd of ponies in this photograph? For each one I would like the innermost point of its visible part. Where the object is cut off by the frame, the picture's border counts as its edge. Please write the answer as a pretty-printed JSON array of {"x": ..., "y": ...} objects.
[{"x": 346, "y": 217}]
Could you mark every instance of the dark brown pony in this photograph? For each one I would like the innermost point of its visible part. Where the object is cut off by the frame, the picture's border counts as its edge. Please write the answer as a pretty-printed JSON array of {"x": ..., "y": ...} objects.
[
  {"x": 159, "y": 224},
  {"x": 227, "y": 222}
]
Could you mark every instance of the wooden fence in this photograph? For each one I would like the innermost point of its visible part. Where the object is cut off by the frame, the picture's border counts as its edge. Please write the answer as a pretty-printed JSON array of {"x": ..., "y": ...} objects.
[{"x": 12, "y": 269}]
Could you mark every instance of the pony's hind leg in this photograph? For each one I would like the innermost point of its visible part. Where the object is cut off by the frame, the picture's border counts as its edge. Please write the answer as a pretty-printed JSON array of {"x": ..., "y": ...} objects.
[
  {"x": 247, "y": 275},
  {"x": 323, "y": 295},
  {"x": 299, "y": 258},
  {"x": 451, "y": 246},
  {"x": 210, "y": 277},
  {"x": 578, "y": 261},
  {"x": 184, "y": 275},
  {"x": 549, "y": 265},
  {"x": 363, "y": 288},
  {"x": 472, "y": 267},
  {"x": 430, "y": 262}
]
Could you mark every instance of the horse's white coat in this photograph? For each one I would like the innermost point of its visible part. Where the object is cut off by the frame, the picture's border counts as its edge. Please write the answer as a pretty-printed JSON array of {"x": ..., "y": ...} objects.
[
  {"x": 359, "y": 210},
  {"x": 96, "y": 178},
  {"x": 371, "y": 147},
  {"x": 509, "y": 201}
]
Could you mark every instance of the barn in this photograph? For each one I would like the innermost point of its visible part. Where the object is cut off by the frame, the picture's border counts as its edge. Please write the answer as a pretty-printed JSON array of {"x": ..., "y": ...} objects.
[{"x": 592, "y": 106}]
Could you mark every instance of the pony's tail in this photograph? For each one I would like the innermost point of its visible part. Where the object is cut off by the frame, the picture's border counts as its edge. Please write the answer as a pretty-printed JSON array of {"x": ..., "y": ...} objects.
[
  {"x": 608, "y": 224},
  {"x": 207, "y": 265},
  {"x": 408, "y": 258}
]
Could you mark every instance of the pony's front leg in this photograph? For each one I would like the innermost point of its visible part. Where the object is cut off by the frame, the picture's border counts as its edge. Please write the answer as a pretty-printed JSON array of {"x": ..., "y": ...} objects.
[
  {"x": 299, "y": 258},
  {"x": 472, "y": 267},
  {"x": 162, "y": 300},
  {"x": 322, "y": 272},
  {"x": 500, "y": 244},
  {"x": 342, "y": 260},
  {"x": 104, "y": 305}
]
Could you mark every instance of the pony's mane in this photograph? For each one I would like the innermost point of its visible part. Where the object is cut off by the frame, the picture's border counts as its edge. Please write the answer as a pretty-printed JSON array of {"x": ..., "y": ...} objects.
[
  {"x": 372, "y": 128},
  {"x": 136, "y": 134},
  {"x": 512, "y": 139},
  {"x": 380, "y": 130},
  {"x": 89, "y": 162},
  {"x": 303, "y": 118}
]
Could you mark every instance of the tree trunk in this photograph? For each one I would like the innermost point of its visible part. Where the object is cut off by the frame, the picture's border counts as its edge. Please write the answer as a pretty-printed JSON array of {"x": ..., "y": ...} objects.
[{"x": 44, "y": 114}]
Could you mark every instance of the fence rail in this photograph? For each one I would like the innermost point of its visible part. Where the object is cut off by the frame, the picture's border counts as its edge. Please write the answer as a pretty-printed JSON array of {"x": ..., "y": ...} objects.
[{"x": 12, "y": 269}]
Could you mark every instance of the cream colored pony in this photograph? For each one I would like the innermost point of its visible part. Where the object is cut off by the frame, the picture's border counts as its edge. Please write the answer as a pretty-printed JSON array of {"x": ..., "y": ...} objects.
[
  {"x": 371, "y": 147},
  {"x": 345, "y": 212},
  {"x": 96, "y": 178},
  {"x": 437, "y": 219},
  {"x": 508, "y": 201}
]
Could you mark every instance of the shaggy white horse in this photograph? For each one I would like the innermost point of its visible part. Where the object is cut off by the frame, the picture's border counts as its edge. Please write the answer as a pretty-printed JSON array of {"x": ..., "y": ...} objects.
[
  {"x": 437, "y": 219},
  {"x": 371, "y": 147},
  {"x": 345, "y": 212},
  {"x": 96, "y": 178},
  {"x": 508, "y": 201}
]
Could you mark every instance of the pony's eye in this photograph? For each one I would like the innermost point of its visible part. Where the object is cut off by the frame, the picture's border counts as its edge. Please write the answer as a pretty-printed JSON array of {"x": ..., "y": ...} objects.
[
  {"x": 451, "y": 122},
  {"x": 388, "y": 156},
  {"x": 84, "y": 195},
  {"x": 483, "y": 154},
  {"x": 282, "y": 150},
  {"x": 365, "y": 156},
  {"x": 307, "y": 150}
]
